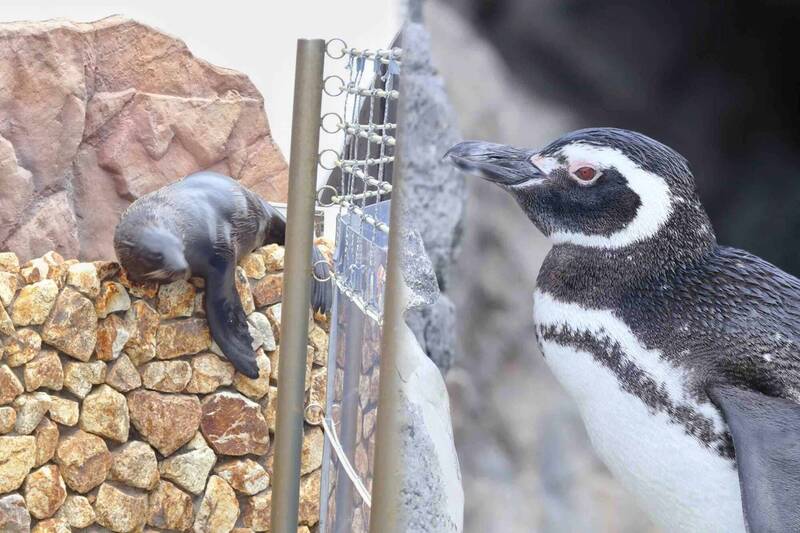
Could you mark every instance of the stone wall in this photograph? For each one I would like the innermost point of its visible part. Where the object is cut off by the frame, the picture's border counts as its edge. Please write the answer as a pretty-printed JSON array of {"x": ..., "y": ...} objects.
[{"x": 117, "y": 412}]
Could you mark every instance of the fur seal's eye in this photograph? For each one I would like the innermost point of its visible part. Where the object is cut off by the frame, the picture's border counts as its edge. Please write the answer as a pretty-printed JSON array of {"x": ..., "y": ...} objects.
[{"x": 585, "y": 173}]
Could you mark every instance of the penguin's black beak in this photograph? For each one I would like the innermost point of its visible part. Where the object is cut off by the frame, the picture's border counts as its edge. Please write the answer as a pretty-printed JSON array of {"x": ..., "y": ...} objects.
[{"x": 498, "y": 163}]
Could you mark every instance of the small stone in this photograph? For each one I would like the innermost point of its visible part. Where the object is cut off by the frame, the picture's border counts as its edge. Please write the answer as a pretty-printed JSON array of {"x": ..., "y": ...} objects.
[
  {"x": 209, "y": 372},
  {"x": 34, "y": 270},
  {"x": 30, "y": 408},
  {"x": 64, "y": 411},
  {"x": 106, "y": 269},
  {"x": 311, "y": 452},
  {"x": 245, "y": 476},
  {"x": 135, "y": 465},
  {"x": 46, "y": 435},
  {"x": 166, "y": 421},
  {"x": 254, "y": 266},
  {"x": 122, "y": 375},
  {"x": 142, "y": 325},
  {"x": 6, "y": 325},
  {"x": 257, "y": 388},
  {"x": 271, "y": 408},
  {"x": 190, "y": 467},
  {"x": 261, "y": 331},
  {"x": 14, "y": 516},
  {"x": 274, "y": 316},
  {"x": 17, "y": 456},
  {"x": 8, "y": 417},
  {"x": 120, "y": 509},
  {"x": 166, "y": 376},
  {"x": 44, "y": 371},
  {"x": 139, "y": 289},
  {"x": 72, "y": 326},
  {"x": 8, "y": 287},
  {"x": 219, "y": 508},
  {"x": 45, "y": 491},
  {"x": 243, "y": 288},
  {"x": 257, "y": 511},
  {"x": 273, "y": 257},
  {"x": 10, "y": 386},
  {"x": 9, "y": 262},
  {"x": 34, "y": 303},
  {"x": 199, "y": 304},
  {"x": 176, "y": 299},
  {"x": 234, "y": 425},
  {"x": 77, "y": 511},
  {"x": 105, "y": 413},
  {"x": 309, "y": 498},
  {"x": 182, "y": 337},
  {"x": 317, "y": 393},
  {"x": 52, "y": 525},
  {"x": 112, "y": 298},
  {"x": 318, "y": 339},
  {"x": 170, "y": 508},
  {"x": 21, "y": 347},
  {"x": 112, "y": 334},
  {"x": 84, "y": 460},
  {"x": 83, "y": 276},
  {"x": 268, "y": 290},
  {"x": 79, "y": 377}
]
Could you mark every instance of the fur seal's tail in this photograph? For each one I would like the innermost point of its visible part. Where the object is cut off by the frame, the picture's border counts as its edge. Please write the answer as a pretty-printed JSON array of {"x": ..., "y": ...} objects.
[{"x": 226, "y": 317}]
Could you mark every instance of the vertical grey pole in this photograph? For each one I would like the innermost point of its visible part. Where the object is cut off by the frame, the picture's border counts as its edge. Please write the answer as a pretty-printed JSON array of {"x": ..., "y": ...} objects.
[
  {"x": 296, "y": 283},
  {"x": 385, "y": 516}
]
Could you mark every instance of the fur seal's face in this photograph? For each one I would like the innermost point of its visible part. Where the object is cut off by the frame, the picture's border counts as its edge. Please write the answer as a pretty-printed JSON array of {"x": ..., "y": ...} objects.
[
  {"x": 604, "y": 188},
  {"x": 158, "y": 255}
]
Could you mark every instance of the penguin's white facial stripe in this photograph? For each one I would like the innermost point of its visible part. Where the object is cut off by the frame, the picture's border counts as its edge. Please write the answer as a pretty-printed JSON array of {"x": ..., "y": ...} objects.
[{"x": 652, "y": 190}]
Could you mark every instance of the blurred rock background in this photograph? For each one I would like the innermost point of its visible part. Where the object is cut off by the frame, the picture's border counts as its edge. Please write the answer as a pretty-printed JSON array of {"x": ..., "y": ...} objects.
[{"x": 710, "y": 81}]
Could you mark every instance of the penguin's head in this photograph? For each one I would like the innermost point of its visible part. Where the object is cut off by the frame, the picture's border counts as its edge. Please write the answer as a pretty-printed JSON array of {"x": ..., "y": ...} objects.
[{"x": 599, "y": 187}]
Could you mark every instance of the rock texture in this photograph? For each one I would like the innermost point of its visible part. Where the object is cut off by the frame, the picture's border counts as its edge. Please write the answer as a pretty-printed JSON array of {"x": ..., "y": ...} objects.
[
  {"x": 105, "y": 112},
  {"x": 147, "y": 428}
]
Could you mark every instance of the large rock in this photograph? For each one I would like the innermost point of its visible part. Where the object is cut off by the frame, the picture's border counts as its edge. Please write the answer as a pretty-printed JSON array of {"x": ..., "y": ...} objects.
[
  {"x": 189, "y": 467},
  {"x": 105, "y": 413},
  {"x": 84, "y": 460},
  {"x": 80, "y": 377},
  {"x": 209, "y": 372},
  {"x": 245, "y": 476},
  {"x": 120, "y": 509},
  {"x": 182, "y": 337},
  {"x": 119, "y": 110},
  {"x": 234, "y": 425},
  {"x": 46, "y": 435},
  {"x": 77, "y": 511},
  {"x": 44, "y": 371},
  {"x": 135, "y": 464},
  {"x": 166, "y": 421},
  {"x": 170, "y": 508},
  {"x": 142, "y": 326},
  {"x": 17, "y": 455},
  {"x": 10, "y": 386},
  {"x": 34, "y": 302},
  {"x": 14, "y": 516},
  {"x": 219, "y": 508},
  {"x": 72, "y": 325},
  {"x": 45, "y": 491}
]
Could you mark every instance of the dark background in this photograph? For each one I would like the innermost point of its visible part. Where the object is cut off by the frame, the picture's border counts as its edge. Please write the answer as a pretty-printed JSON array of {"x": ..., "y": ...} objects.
[{"x": 717, "y": 81}]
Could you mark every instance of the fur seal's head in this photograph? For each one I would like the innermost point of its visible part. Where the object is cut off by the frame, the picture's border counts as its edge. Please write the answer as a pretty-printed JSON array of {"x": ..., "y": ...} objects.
[
  {"x": 597, "y": 188},
  {"x": 151, "y": 253}
]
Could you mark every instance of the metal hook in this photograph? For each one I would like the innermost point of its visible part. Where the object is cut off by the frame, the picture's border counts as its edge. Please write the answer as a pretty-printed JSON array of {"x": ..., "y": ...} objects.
[
  {"x": 319, "y": 193},
  {"x": 338, "y": 125},
  {"x": 343, "y": 49},
  {"x": 327, "y": 91}
]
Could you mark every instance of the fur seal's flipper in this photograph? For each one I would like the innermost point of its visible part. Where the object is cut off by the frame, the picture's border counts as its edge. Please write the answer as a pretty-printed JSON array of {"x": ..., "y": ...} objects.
[
  {"x": 766, "y": 439},
  {"x": 226, "y": 318}
]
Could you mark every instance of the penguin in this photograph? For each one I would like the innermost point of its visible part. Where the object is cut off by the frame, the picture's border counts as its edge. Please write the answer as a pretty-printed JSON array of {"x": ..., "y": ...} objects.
[
  {"x": 201, "y": 226},
  {"x": 683, "y": 355}
]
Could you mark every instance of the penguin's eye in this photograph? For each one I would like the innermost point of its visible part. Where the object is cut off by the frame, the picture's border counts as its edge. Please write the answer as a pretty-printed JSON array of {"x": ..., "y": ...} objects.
[{"x": 585, "y": 173}]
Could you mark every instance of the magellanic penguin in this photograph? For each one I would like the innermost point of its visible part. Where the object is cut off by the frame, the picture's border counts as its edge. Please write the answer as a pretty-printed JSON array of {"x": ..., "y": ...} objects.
[{"x": 682, "y": 355}]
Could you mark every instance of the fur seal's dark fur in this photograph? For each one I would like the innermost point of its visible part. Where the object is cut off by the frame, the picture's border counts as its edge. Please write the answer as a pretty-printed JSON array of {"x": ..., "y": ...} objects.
[{"x": 201, "y": 226}]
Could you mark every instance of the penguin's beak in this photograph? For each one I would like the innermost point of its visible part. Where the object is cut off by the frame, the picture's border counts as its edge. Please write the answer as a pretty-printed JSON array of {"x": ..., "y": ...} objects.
[{"x": 498, "y": 163}]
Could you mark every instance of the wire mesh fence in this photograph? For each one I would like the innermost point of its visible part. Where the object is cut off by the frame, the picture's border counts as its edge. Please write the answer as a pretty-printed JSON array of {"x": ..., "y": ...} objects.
[{"x": 360, "y": 190}]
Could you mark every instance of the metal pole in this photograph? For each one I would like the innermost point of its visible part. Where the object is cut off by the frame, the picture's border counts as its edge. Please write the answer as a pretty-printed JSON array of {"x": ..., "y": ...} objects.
[
  {"x": 296, "y": 285},
  {"x": 385, "y": 516}
]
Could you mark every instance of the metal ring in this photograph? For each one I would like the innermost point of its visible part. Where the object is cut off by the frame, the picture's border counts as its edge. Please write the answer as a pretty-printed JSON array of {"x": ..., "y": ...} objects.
[
  {"x": 314, "y": 274},
  {"x": 322, "y": 163},
  {"x": 325, "y": 88},
  {"x": 319, "y": 192},
  {"x": 328, "y": 46},
  {"x": 307, "y": 414},
  {"x": 338, "y": 126}
]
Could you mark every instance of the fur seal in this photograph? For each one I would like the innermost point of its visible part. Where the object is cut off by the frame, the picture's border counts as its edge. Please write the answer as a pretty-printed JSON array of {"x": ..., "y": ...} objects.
[
  {"x": 201, "y": 226},
  {"x": 683, "y": 355}
]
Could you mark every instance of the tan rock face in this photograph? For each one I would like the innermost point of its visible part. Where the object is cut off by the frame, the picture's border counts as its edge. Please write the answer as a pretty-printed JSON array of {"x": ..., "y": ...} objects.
[
  {"x": 22, "y": 346},
  {"x": 83, "y": 276},
  {"x": 167, "y": 422},
  {"x": 17, "y": 455},
  {"x": 6, "y": 325},
  {"x": 182, "y": 337},
  {"x": 176, "y": 300},
  {"x": 34, "y": 302},
  {"x": 166, "y": 376},
  {"x": 8, "y": 287},
  {"x": 143, "y": 325},
  {"x": 10, "y": 386},
  {"x": 135, "y": 465},
  {"x": 8, "y": 417},
  {"x": 245, "y": 476},
  {"x": 64, "y": 411},
  {"x": 44, "y": 371},
  {"x": 9, "y": 262},
  {"x": 254, "y": 266},
  {"x": 47, "y": 436},
  {"x": 268, "y": 290},
  {"x": 219, "y": 508},
  {"x": 72, "y": 326},
  {"x": 122, "y": 110},
  {"x": 30, "y": 410},
  {"x": 257, "y": 388},
  {"x": 77, "y": 511},
  {"x": 309, "y": 499},
  {"x": 14, "y": 516},
  {"x": 105, "y": 413},
  {"x": 273, "y": 257},
  {"x": 112, "y": 334},
  {"x": 122, "y": 375},
  {"x": 45, "y": 491},
  {"x": 234, "y": 425},
  {"x": 244, "y": 290},
  {"x": 120, "y": 509},
  {"x": 113, "y": 298},
  {"x": 52, "y": 525},
  {"x": 84, "y": 460},
  {"x": 209, "y": 372},
  {"x": 261, "y": 330},
  {"x": 311, "y": 453},
  {"x": 189, "y": 468},
  {"x": 318, "y": 339},
  {"x": 170, "y": 508},
  {"x": 257, "y": 511},
  {"x": 79, "y": 377}
]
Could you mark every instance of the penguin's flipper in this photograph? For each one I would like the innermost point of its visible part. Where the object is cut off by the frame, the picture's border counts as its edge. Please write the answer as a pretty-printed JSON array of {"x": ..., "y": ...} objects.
[
  {"x": 766, "y": 438},
  {"x": 321, "y": 283},
  {"x": 226, "y": 318}
]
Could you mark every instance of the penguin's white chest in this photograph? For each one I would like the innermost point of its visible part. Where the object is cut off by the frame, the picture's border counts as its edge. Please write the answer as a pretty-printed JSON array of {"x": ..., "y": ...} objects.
[{"x": 685, "y": 485}]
